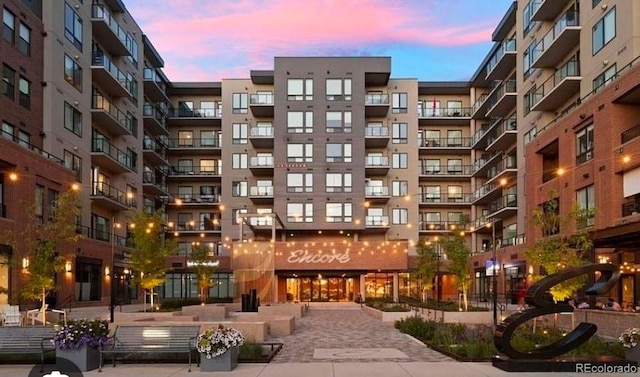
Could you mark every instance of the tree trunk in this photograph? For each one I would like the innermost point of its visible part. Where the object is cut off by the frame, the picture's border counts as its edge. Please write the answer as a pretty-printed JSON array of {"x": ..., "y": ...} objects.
[
  {"x": 464, "y": 298},
  {"x": 151, "y": 299}
]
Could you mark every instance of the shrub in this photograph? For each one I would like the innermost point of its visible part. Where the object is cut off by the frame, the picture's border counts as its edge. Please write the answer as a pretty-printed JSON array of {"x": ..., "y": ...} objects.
[
  {"x": 417, "y": 327},
  {"x": 250, "y": 350}
]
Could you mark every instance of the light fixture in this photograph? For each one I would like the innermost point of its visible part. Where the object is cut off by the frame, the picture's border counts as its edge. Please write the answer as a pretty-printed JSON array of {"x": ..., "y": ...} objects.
[
  {"x": 68, "y": 266},
  {"x": 25, "y": 262},
  {"x": 107, "y": 271}
]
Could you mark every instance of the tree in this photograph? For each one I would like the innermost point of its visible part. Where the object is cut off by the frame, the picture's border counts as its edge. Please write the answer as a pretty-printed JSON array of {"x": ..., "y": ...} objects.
[
  {"x": 204, "y": 265},
  {"x": 150, "y": 250},
  {"x": 427, "y": 264},
  {"x": 558, "y": 249},
  {"x": 458, "y": 254},
  {"x": 40, "y": 241}
]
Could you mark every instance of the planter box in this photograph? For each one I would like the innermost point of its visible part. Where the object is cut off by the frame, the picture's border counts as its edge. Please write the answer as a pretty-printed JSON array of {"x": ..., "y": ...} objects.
[
  {"x": 222, "y": 363},
  {"x": 632, "y": 354},
  {"x": 84, "y": 358}
]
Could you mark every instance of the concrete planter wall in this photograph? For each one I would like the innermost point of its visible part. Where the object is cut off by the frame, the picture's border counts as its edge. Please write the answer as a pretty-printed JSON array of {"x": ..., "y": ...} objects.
[{"x": 477, "y": 318}]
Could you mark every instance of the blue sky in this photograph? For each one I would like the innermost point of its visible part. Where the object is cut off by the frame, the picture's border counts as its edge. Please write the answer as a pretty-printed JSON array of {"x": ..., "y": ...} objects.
[{"x": 206, "y": 40}]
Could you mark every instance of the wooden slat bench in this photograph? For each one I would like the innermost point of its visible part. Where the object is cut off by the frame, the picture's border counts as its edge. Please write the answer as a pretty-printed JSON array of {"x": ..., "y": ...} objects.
[
  {"x": 150, "y": 340},
  {"x": 27, "y": 341}
]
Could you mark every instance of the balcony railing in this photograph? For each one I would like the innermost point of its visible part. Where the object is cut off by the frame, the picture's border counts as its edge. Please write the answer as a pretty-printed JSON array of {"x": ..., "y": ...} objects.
[
  {"x": 508, "y": 200},
  {"x": 31, "y": 147},
  {"x": 376, "y": 131},
  {"x": 508, "y": 45},
  {"x": 100, "y": 59},
  {"x": 426, "y": 111},
  {"x": 630, "y": 134},
  {"x": 152, "y": 74},
  {"x": 192, "y": 170},
  {"x": 570, "y": 18},
  {"x": 102, "y": 12},
  {"x": 377, "y": 221},
  {"x": 99, "y": 102},
  {"x": 261, "y": 131},
  {"x": 195, "y": 113},
  {"x": 261, "y": 99},
  {"x": 374, "y": 161},
  {"x": 101, "y": 235},
  {"x": 376, "y": 99},
  {"x": 509, "y": 162},
  {"x": 437, "y": 225},
  {"x": 195, "y": 198},
  {"x": 506, "y": 87},
  {"x": 156, "y": 179},
  {"x": 484, "y": 190},
  {"x": 446, "y": 198},
  {"x": 261, "y": 161},
  {"x": 106, "y": 190},
  {"x": 446, "y": 169},
  {"x": 376, "y": 191},
  {"x": 100, "y": 145},
  {"x": 191, "y": 143},
  {"x": 150, "y": 144},
  {"x": 264, "y": 191},
  {"x": 453, "y": 142},
  {"x": 195, "y": 226},
  {"x": 569, "y": 69}
]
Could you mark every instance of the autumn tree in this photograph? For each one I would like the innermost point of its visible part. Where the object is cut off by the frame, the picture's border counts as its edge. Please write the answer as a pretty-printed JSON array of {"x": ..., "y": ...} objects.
[
  {"x": 427, "y": 264},
  {"x": 41, "y": 239},
  {"x": 204, "y": 264},
  {"x": 458, "y": 254},
  {"x": 150, "y": 250}
]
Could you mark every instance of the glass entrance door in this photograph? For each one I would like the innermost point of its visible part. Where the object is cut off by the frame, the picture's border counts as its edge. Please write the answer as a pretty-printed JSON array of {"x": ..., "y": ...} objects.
[{"x": 320, "y": 289}]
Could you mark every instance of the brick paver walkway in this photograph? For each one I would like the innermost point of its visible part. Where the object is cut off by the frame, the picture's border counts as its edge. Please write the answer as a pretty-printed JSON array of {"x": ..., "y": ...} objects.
[{"x": 348, "y": 328}]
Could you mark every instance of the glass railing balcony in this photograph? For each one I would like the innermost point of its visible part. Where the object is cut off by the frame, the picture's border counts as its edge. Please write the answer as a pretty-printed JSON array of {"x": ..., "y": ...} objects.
[
  {"x": 261, "y": 132},
  {"x": 100, "y": 145},
  {"x": 196, "y": 226},
  {"x": 506, "y": 87},
  {"x": 509, "y": 162},
  {"x": 507, "y": 201},
  {"x": 156, "y": 179},
  {"x": 437, "y": 225},
  {"x": 453, "y": 142},
  {"x": 261, "y": 99},
  {"x": 100, "y": 59},
  {"x": 426, "y": 111},
  {"x": 508, "y": 241},
  {"x": 261, "y": 191},
  {"x": 569, "y": 69},
  {"x": 484, "y": 190},
  {"x": 376, "y": 131},
  {"x": 193, "y": 170},
  {"x": 195, "y": 198},
  {"x": 99, "y": 102},
  {"x": 570, "y": 18},
  {"x": 188, "y": 143},
  {"x": 106, "y": 190},
  {"x": 195, "y": 113},
  {"x": 446, "y": 198},
  {"x": 151, "y": 74},
  {"x": 150, "y": 144},
  {"x": 376, "y": 191},
  {"x": 376, "y": 99},
  {"x": 503, "y": 126},
  {"x": 102, "y": 12},
  {"x": 149, "y": 110},
  {"x": 373, "y": 161},
  {"x": 261, "y": 161},
  {"x": 377, "y": 221},
  {"x": 508, "y": 45}
]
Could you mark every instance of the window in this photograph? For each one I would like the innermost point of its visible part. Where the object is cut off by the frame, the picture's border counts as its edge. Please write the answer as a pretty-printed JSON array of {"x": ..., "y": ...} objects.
[
  {"x": 209, "y": 194},
  {"x": 132, "y": 47},
  {"x": 239, "y": 188},
  {"x": 454, "y": 138},
  {"x": 604, "y": 30},
  {"x": 9, "y": 25},
  {"x": 431, "y": 194},
  {"x": 399, "y": 160},
  {"x": 528, "y": 57},
  {"x": 185, "y": 109},
  {"x": 239, "y": 161},
  {"x": 455, "y": 194},
  {"x": 24, "y": 42},
  {"x": 240, "y": 103},
  {"x": 8, "y": 81},
  {"x": 454, "y": 166},
  {"x": 431, "y": 218},
  {"x": 72, "y": 119},
  {"x": 431, "y": 166},
  {"x": 299, "y": 182},
  {"x": 240, "y": 133},
  {"x": 237, "y": 215},
  {"x": 24, "y": 139},
  {"x": 584, "y": 144},
  {"x": 399, "y": 188},
  {"x": 527, "y": 13},
  {"x": 300, "y": 122},
  {"x": 338, "y": 182},
  {"x": 399, "y": 133},
  {"x": 399, "y": 103},
  {"x": 338, "y": 90},
  {"x": 300, "y": 89},
  {"x": 399, "y": 216},
  {"x": 208, "y": 139},
  {"x": 299, "y": 152},
  {"x": 72, "y": 72},
  {"x": 454, "y": 218},
  {"x": 24, "y": 95},
  {"x": 338, "y": 152},
  {"x": 338, "y": 212},
  {"x": 8, "y": 131},
  {"x": 585, "y": 200},
  {"x": 72, "y": 26},
  {"x": 300, "y": 212},
  {"x": 594, "y": 3},
  {"x": 605, "y": 77},
  {"x": 185, "y": 193},
  {"x": 185, "y": 138},
  {"x": 454, "y": 108},
  {"x": 209, "y": 167},
  {"x": 338, "y": 121}
]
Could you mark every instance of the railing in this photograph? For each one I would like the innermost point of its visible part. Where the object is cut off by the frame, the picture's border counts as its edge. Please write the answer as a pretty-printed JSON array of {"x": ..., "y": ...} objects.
[
  {"x": 261, "y": 99},
  {"x": 376, "y": 190},
  {"x": 509, "y": 162},
  {"x": 149, "y": 144},
  {"x": 376, "y": 99},
  {"x": 101, "y": 235},
  {"x": 195, "y": 113},
  {"x": 261, "y": 161},
  {"x": 453, "y": 142},
  {"x": 99, "y": 102},
  {"x": 445, "y": 169},
  {"x": 484, "y": 190},
  {"x": 630, "y": 134},
  {"x": 376, "y": 221},
  {"x": 506, "y": 87},
  {"x": 109, "y": 191},
  {"x": 261, "y": 132},
  {"x": 440, "y": 225},
  {"x": 508, "y": 45},
  {"x": 149, "y": 110},
  {"x": 425, "y": 111},
  {"x": 211, "y": 225},
  {"x": 102, "y": 12},
  {"x": 156, "y": 179},
  {"x": 192, "y": 170},
  {"x": 188, "y": 143},
  {"x": 374, "y": 161},
  {"x": 31, "y": 147},
  {"x": 519, "y": 239},
  {"x": 376, "y": 131},
  {"x": 100, "y": 59},
  {"x": 480, "y": 101},
  {"x": 194, "y": 198},
  {"x": 569, "y": 69},
  {"x": 261, "y": 191},
  {"x": 507, "y": 201},
  {"x": 481, "y": 132},
  {"x": 151, "y": 74},
  {"x": 502, "y": 126},
  {"x": 99, "y": 145},
  {"x": 584, "y": 157},
  {"x": 570, "y": 18},
  {"x": 462, "y": 198}
]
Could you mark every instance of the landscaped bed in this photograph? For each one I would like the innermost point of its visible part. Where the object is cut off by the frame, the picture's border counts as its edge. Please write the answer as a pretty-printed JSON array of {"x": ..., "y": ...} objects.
[{"x": 475, "y": 343}]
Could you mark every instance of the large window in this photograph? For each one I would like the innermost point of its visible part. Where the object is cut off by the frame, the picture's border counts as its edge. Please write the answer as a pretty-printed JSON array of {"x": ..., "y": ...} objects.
[
  {"x": 338, "y": 90},
  {"x": 455, "y": 193},
  {"x": 300, "y": 122},
  {"x": 72, "y": 119},
  {"x": 299, "y": 182},
  {"x": 400, "y": 160},
  {"x": 399, "y": 103},
  {"x": 399, "y": 188},
  {"x": 338, "y": 152},
  {"x": 24, "y": 93},
  {"x": 454, "y": 166},
  {"x": 299, "y": 152},
  {"x": 604, "y": 30},
  {"x": 24, "y": 42},
  {"x": 239, "y": 188},
  {"x": 300, "y": 212},
  {"x": 8, "y": 25},
  {"x": 605, "y": 77},
  {"x": 8, "y": 131},
  {"x": 338, "y": 212},
  {"x": 399, "y": 133},
  {"x": 239, "y": 161},
  {"x": 584, "y": 144},
  {"x": 338, "y": 182},
  {"x": 338, "y": 121},
  {"x": 431, "y": 166},
  {"x": 586, "y": 203},
  {"x": 240, "y": 103},
  {"x": 300, "y": 89},
  {"x": 72, "y": 72},
  {"x": 8, "y": 81},
  {"x": 240, "y": 133},
  {"x": 88, "y": 279},
  {"x": 72, "y": 26},
  {"x": 399, "y": 216}
]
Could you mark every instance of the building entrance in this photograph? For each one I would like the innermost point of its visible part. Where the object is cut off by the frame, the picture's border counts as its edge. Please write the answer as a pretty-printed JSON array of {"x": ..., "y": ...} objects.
[{"x": 320, "y": 288}]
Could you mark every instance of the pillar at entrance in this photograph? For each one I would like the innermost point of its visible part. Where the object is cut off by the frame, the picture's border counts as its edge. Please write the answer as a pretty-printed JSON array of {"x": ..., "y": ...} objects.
[
  {"x": 396, "y": 282},
  {"x": 362, "y": 286}
]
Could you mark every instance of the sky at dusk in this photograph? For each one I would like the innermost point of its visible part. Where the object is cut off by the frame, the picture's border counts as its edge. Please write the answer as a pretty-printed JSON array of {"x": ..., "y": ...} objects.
[{"x": 209, "y": 40}]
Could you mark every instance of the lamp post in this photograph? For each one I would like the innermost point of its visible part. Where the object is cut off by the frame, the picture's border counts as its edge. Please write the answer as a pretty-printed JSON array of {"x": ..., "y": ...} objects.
[
  {"x": 112, "y": 301},
  {"x": 494, "y": 277}
]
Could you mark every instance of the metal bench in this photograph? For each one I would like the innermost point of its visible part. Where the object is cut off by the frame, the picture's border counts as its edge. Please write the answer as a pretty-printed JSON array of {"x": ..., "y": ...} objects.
[
  {"x": 150, "y": 340},
  {"x": 27, "y": 341}
]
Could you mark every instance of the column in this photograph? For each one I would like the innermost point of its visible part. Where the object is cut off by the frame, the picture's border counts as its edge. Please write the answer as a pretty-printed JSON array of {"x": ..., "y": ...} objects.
[{"x": 396, "y": 283}]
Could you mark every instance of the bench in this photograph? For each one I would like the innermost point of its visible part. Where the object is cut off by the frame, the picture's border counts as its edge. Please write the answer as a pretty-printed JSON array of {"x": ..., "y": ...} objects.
[
  {"x": 150, "y": 340},
  {"x": 27, "y": 341}
]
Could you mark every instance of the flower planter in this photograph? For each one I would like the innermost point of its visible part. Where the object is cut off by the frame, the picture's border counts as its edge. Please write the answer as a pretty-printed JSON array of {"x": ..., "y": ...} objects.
[
  {"x": 221, "y": 363},
  {"x": 84, "y": 358},
  {"x": 632, "y": 354}
]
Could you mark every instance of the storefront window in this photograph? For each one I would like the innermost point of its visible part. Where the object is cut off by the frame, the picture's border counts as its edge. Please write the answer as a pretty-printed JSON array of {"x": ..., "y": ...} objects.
[{"x": 379, "y": 285}]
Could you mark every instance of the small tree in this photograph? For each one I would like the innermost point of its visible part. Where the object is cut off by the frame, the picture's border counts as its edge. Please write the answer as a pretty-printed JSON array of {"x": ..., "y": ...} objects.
[
  {"x": 204, "y": 265},
  {"x": 458, "y": 254},
  {"x": 40, "y": 240},
  {"x": 150, "y": 250},
  {"x": 427, "y": 264},
  {"x": 557, "y": 250}
]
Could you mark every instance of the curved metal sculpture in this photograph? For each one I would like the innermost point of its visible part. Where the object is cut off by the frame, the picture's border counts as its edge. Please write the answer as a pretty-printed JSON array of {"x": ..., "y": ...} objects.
[{"x": 537, "y": 297}]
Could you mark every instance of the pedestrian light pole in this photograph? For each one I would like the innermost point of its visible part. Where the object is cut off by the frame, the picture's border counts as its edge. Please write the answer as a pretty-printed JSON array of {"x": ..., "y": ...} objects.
[
  {"x": 494, "y": 274},
  {"x": 112, "y": 300}
]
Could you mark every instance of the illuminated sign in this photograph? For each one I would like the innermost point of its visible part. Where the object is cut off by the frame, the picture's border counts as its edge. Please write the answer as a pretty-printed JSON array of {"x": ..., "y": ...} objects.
[
  {"x": 191, "y": 263},
  {"x": 303, "y": 256}
]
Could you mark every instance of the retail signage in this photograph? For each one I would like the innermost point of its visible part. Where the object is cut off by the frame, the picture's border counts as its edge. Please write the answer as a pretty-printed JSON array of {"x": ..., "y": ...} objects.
[
  {"x": 304, "y": 256},
  {"x": 191, "y": 263}
]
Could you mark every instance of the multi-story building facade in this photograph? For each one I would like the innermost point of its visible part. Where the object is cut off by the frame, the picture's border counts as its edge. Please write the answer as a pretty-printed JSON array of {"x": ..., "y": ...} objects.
[{"x": 307, "y": 181}]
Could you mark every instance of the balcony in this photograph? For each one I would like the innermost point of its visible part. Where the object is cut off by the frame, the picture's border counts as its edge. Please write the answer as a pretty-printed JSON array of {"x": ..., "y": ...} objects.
[
  {"x": 106, "y": 155},
  {"x": 261, "y": 105},
  {"x": 194, "y": 117},
  {"x": 481, "y": 165},
  {"x": 109, "y": 197},
  {"x": 445, "y": 172},
  {"x": 435, "y": 226},
  {"x": 204, "y": 227},
  {"x": 261, "y": 166},
  {"x": 154, "y": 183},
  {"x": 479, "y": 139},
  {"x": 453, "y": 145},
  {"x": 557, "y": 89},
  {"x": 261, "y": 136},
  {"x": 545, "y": 10},
  {"x": 195, "y": 200},
  {"x": 377, "y": 222},
  {"x": 558, "y": 42},
  {"x": 193, "y": 172},
  {"x": 198, "y": 146},
  {"x": 507, "y": 168},
  {"x": 109, "y": 117},
  {"x": 108, "y": 76},
  {"x": 503, "y": 135},
  {"x": 504, "y": 207},
  {"x": 503, "y": 61},
  {"x": 376, "y": 105},
  {"x": 445, "y": 199},
  {"x": 155, "y": 88},
  {"x": 376, "y": 165},
  {"x": 154, "y": 151},
  {"x": 486, "y": 193},
  {"x": 502, "y": 100},
  {"x": 376, "y": 194},
  {"x": 480, "y": 107},
  {"x": 107, "y": 31},
  {"x": 261, "y": 194},
  {"x": 434, "y": 115},
  {"x": 376, "y": 136},
  {"x": 154, "y": 119}
]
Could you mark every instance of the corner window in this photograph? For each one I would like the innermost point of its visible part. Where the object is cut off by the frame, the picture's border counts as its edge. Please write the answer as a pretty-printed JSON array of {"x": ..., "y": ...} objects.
[
  {"x": 604, "y": 30},
  {"x": 72, "y": 119},
  {"x": 72, "y": 26},
  {"x": 584, "y": 145}
]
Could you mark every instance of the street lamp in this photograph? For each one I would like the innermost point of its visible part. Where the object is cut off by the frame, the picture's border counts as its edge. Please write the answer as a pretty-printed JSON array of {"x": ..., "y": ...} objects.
[
  {"x": 494, "y": 276},
  {"x": 112, "y": 301}
]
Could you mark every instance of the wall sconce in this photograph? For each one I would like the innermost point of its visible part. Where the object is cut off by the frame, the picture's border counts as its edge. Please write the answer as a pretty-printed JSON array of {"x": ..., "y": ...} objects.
[
  {"x": 25, "y": 263},
  {"x": 107, "y": 271},
  {"x": 67, "y": 266}
]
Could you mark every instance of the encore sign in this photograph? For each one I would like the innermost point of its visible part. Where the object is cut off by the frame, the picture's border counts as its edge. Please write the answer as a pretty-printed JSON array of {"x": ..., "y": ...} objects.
[{"x": 304, "y": 257}]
